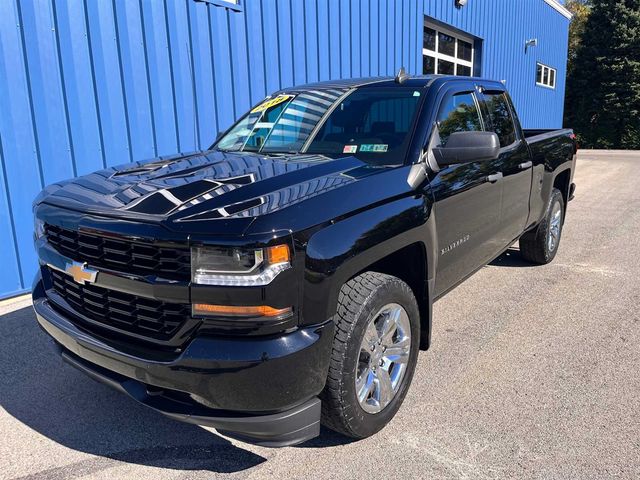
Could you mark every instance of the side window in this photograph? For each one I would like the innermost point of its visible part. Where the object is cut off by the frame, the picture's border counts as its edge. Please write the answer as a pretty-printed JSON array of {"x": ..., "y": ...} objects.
[
  {"x": 458, "y": 113},
  {"x": 500, "y": 118}
]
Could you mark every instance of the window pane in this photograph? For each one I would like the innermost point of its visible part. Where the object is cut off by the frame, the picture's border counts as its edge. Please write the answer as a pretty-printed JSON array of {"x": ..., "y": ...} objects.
[
  {"x": 539, "y": 73},
  {"x": 545, "y": 76},
  {"x": 463, "y": 70},
  {"x": 464, "y": 50},
  {"x": 552, "y": 78},
  {"x": 458, "y": 113},
  {"x": 282, "y": 123},
  {"x": 428, "y": 64},
  {"x": 445, "y": 68},
  {"x": 371, "y": 123},
  {"x": 500, "y": 116},
  {"x": 429, "y": 39},
  {"x": 446, "y": 44}
]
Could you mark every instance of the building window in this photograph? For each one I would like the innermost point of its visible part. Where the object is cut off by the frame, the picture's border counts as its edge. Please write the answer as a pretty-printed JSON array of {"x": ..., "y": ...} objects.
[
  {"x": 445, "y": 52},
  {"x": 545, "y": 76}
]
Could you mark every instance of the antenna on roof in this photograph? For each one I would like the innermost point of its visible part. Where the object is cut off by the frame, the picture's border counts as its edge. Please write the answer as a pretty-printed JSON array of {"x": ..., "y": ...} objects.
[{"x": 402, "y": 75}]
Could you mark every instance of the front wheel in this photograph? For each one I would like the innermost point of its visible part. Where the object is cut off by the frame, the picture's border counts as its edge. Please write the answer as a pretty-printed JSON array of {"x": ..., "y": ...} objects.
[
  {"x": 374, "y": 354},
  {"x": 541, "y": 245}
]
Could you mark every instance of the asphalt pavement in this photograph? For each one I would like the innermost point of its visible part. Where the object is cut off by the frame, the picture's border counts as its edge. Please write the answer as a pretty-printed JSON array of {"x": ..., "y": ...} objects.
[{"x": 534, "y": 372}]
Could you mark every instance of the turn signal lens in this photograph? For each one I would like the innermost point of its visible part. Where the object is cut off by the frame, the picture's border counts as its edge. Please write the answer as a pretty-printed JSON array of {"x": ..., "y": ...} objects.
[
  {"x": 234, "y": 311},
  {"x": 278, "y": 254}
]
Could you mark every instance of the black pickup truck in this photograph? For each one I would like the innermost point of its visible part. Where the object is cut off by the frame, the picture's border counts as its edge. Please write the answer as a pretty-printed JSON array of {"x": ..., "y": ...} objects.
[{"x": 285, "y": 277}]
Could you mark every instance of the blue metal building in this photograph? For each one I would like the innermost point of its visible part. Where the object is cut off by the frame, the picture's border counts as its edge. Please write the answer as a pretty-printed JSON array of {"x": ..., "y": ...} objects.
[{"x": 86, "y": 84}]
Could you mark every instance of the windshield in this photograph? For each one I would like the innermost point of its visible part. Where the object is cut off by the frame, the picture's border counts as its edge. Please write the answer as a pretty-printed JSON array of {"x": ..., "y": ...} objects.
[{"x": 370, "y": 123}]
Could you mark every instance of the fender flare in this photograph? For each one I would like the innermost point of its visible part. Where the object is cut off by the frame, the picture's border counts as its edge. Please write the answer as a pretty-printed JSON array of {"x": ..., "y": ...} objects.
[{"x": 345, "y": 248}]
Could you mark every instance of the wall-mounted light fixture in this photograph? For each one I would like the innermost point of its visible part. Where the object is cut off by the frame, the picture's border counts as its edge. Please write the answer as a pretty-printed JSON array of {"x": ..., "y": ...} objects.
[
  {"x": 460, "y": 3},
  {"x": 532, "y": 42}
]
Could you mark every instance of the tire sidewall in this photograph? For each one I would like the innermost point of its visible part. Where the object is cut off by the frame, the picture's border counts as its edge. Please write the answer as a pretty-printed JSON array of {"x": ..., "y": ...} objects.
[
  {"x": 556, "y": 197},
  {"x": 362, "y": 423}
]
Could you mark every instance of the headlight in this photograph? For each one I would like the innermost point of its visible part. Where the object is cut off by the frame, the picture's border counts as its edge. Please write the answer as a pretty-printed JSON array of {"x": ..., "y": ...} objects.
[
  {"x": 238, "y": 266},
  {"x": 38, "y": 228}
]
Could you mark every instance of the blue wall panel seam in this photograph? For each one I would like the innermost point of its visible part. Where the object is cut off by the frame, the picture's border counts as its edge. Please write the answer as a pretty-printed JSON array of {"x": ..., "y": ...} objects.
[
  {"x": 317, "y": 37},
  {"x": 278, "y": 48},
  {"x": 122, "y": 85},
  {"x": 11, "y": 216},
  {"x": 264, "y": 63},
  {"x": 293, "y": 53},
  {"x": 146, "y": 69},
  {"x": 64, "y": 90},
  {"x": 173, "y": 83},
  {"x": 28, "y": 81},
  {"x": 196, "y": 114},
  {"x": 246, "y": 39},
  {"x": 233, "y": 83},
  {"x": 95, "y": 86},
  {"x": 304, "y": 36},
  {"x": 213, "y": 68}
]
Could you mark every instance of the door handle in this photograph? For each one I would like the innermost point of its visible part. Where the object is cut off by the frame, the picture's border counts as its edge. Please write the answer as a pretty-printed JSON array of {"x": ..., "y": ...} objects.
[
  {"x": 525, "y": 165},
  {"x": 494, "y": 178}
]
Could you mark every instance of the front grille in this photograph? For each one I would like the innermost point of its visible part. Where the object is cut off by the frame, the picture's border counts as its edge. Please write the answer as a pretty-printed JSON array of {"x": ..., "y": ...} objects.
[
  {"x": 142, "y": 316},
  {"x": 135, "y": 257}
]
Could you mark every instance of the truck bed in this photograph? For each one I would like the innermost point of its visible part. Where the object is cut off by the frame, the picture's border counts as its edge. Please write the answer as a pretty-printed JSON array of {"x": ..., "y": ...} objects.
[{"x": 537, "y": 135}]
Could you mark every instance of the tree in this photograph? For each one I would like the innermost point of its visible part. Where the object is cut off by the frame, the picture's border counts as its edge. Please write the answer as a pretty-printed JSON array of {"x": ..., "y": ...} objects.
[
  {"x": 603, "y": 84},
  {"x": 580, "y": 10}
]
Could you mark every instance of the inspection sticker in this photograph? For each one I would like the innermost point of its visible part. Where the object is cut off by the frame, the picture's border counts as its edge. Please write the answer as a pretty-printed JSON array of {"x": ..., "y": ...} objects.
[
  {"x": 271, "y": 102},
  {"x": 350, "y": 149},
  {"x": 374, "y": 147}
]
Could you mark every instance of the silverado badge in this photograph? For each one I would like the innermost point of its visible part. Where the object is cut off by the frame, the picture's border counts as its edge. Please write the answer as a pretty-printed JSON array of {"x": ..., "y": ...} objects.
[{"x": 80, "y": 273}]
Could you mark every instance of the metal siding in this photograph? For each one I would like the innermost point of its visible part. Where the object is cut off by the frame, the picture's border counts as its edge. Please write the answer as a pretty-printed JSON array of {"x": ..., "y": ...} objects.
[
  {"x": 21, "y": 166},
  {"x": 93, "y": 84},
  {"x": 503, "y": 28}
]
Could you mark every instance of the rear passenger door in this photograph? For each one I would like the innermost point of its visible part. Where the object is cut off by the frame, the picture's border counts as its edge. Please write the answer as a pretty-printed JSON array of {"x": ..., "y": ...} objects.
[
  {"x": 515, "y": 164},
  {"x": 466, "y": 196}
]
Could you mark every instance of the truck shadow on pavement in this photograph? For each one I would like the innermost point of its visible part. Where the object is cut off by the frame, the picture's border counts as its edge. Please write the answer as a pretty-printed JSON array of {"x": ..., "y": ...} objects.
[
  {"x": 511, "y": 258},
  {"x": 55, "y": 400}
]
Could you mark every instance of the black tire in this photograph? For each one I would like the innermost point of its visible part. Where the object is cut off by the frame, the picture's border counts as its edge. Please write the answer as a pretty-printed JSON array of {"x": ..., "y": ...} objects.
[
  {"x": 359, "y": 300},
  {"x": 534, "y": 245}
]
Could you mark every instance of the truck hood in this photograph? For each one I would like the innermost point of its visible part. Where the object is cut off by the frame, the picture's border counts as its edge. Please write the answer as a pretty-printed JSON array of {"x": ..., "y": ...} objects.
[{"x": 183, "y": 190}]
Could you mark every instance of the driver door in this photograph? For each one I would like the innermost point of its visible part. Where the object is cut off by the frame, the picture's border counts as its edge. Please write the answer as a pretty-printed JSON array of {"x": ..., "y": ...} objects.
[{"x": 467, "y": 197}]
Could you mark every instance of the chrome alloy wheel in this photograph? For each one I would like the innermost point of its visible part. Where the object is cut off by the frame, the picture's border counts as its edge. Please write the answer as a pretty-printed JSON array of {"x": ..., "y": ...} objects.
[
  {"x": 555, "y": 225},
  {"x": 384, "y": 355}
]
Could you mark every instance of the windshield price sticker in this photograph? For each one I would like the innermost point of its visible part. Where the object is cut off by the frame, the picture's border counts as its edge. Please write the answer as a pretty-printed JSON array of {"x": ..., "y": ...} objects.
[
  {"x": 374, "y": 147},
  {"x": 272, "y": 102}
]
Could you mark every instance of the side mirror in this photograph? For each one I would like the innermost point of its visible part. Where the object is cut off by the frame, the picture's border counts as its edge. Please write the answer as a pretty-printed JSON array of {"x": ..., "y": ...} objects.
[{"x": 467, "y": 147}]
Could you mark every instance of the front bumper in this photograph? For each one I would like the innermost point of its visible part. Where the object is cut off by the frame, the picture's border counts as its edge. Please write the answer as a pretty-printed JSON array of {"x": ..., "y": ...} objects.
[{"x": 258, "y": 389}]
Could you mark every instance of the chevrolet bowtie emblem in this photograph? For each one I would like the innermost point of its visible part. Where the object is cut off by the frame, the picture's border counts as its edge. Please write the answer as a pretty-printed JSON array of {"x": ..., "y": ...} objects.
[{"x": 80, "y": 273}]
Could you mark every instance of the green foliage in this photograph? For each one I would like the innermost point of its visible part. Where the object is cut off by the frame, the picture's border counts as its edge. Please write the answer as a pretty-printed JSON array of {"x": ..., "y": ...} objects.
[
  {"x": 580, "y": 10},
  {"x": 603, "y": 84}
]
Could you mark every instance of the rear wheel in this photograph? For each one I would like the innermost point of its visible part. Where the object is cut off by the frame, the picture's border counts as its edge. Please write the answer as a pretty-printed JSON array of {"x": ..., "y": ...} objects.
[
  {"x": 374, "y": 354},
  {"x": 541, "y": 245}
]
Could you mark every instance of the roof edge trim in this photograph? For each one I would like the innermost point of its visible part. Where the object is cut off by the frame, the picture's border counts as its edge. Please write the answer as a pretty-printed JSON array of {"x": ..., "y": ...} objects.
[{"x": 559, "y": 8}]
